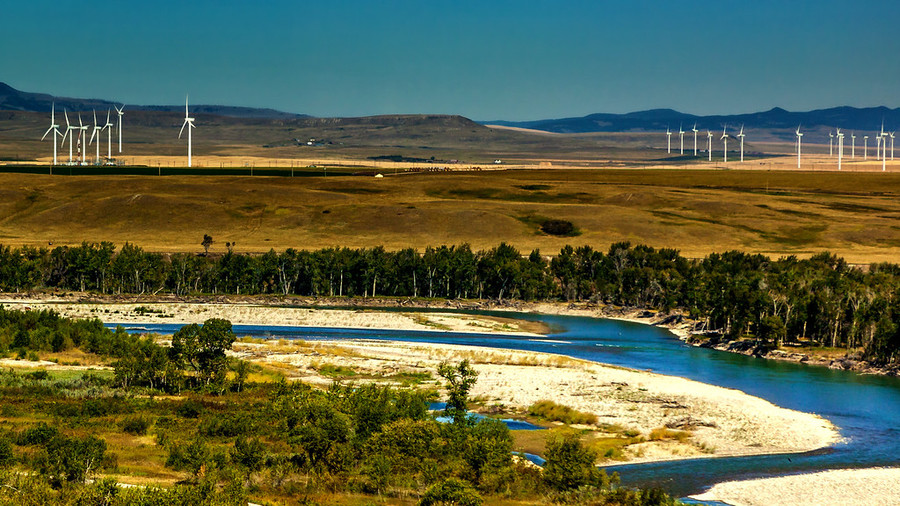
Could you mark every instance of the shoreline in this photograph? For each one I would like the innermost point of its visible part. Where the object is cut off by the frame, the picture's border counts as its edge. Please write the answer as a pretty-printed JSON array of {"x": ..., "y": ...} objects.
[
  {"x": 720, "y": 421},
  {"x": 875, "y": 486},
  {"x": 679, "y": 324}
]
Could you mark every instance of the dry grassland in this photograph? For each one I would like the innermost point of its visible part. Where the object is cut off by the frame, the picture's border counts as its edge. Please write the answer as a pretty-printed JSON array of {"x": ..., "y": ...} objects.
[{"x": 696, "y": 211}]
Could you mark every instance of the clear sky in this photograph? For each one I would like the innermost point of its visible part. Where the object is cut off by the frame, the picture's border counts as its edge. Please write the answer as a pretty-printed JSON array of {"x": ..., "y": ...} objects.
[{"x": 504, "y": 59}]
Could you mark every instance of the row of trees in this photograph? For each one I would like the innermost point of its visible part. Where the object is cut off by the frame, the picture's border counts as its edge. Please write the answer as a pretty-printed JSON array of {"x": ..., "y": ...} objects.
[{"x": 822, "y": 299}]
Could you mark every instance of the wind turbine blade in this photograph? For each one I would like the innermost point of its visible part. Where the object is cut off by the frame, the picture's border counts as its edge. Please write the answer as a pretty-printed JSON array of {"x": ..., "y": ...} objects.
[
  {"x": 182, "y": 129},
  {"x": 47, "y": 132},
  {"x": 107, "y": 117},
  {"x": 67, "y": 118},
  {"x": 63, "y": 141}
]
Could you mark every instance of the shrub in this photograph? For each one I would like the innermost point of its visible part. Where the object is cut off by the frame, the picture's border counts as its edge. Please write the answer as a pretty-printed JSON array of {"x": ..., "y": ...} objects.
[
  {"x": 554, "y": 412},
  {"x": 561, "y": 228},
  {"x": 664, "y": 433},
  {"x": 135, "y": 425},
  {"x": 189, "y": 409},
  {"x": 37, "y": 435},
  {"x": 451, "y": 491},
  {"x": 570, "y": 465},
  {"x": 6, "y": 453}
]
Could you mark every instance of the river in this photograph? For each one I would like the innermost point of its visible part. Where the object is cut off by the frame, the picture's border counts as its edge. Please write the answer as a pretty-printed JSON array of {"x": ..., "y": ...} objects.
[{"x": 865, "y": 408}]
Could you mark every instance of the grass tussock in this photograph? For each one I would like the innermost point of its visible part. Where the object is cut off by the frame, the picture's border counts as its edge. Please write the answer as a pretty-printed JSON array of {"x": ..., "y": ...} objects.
[
  {"x": 665, "y": 434},
  {"x": 551, "y": 411}
]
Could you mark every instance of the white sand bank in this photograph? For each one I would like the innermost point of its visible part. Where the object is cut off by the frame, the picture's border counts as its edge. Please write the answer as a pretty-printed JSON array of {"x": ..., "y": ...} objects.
[{"x": 872, "y": 487}]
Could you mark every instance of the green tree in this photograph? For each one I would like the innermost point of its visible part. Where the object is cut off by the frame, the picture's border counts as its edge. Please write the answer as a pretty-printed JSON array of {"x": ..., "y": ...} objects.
[
  {"x": 70, "y": 459},
  {"x": 460, "y": 380},
  {"x": 203, "y": 348},
  {"x": 570, "y": 464}
]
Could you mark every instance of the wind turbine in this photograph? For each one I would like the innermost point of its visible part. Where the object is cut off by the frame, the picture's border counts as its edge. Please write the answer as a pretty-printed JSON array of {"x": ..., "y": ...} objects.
[
  {"x": 53, "y": 128},
  {"x": 119, "y": 128},
  {"x": 892, "y": 146},
  {"x": 681, "y": 133},
  {"x": 189, "y": 122},
  {"x": 695, "y": 138},
  {"x": 741, "y": 137},
  {"x": 865, "y": 147},
  {"x": 840, "y": 137},
  {"x": 830, "y": 144},
  {"x": 852, "y": 144},
  {"x": 69, "y": 134},
  {"x": 725, "y": 140},
  {"x": 96, "y": 132},
  {"x": 668, "y": 140},
  {"x": 82, "y": 146},
  {"x": 108, "y": 126},
  {"x": 709, "y": 136},
  {"x": 799, "y": 137}
]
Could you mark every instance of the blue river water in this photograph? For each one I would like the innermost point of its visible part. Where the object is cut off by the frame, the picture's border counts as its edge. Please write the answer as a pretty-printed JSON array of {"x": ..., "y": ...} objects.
[{"x": 865, "y": 408}]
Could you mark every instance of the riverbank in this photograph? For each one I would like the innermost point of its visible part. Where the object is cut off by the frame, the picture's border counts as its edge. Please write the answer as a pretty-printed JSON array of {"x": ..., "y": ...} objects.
[
  {"x": 651, "y": 408},
  {"x": 226, "y": 306},
  {"x": 716, "y": 421},
  {"x": 873, "y": 487}
]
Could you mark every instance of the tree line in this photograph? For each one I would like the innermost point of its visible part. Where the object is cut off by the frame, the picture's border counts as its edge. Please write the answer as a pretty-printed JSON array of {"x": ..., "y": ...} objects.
[{"x": 820, "y": 300}]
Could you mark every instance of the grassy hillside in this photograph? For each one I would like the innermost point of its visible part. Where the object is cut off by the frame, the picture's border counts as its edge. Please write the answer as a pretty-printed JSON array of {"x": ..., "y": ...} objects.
[{"x": 854, "y": 215}]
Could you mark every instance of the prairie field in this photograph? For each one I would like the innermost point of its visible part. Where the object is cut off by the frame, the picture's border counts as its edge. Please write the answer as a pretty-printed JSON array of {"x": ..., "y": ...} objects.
[{"x": 697, "y": 211}]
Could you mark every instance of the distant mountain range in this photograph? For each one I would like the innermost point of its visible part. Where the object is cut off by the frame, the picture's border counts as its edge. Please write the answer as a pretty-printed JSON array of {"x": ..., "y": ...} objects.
[
  {"x": 12, "y": 99},
  {"x": 773, "y": 121}
]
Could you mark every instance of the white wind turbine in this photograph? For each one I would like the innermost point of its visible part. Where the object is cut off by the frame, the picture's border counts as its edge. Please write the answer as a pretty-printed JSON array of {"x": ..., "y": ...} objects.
[
  {"x": 69, "y": 128},
  {"x": 681, "y": 133},
  {"x": 830, "y": 144},
  {"x": 741, "y": 137},
  {"x": 709, "y": 137},
  {"x": 96, "y": 132},
  {"x": 668, "y": 140},
  {"x": 695, "y": 138},
  {"x": 188, "y": 122},
  {"x": 840, "y": 137},
  {"x": 108, "y": 126},
  {"x": 725, "y": 141},
  {"x": 892, "y": 146},
  {"x": 82, "y": 136},
  {"x": 119, "y": 128},
  {"x": 799, "y": 137},
  {"x": 852, "y": 144},
  {"x": 865, "y": 147},
  {"x": 53, "y": 128}
]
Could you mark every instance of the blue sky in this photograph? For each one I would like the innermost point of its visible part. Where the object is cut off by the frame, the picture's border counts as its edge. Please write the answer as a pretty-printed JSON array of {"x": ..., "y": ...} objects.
[{"x": 515, "y": 60}]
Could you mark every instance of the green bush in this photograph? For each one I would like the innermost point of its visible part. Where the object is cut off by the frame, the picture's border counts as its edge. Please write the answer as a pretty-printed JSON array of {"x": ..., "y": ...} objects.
[
  {"x": 37, "y": 435},
  {"x": 451, "y": 491},
  {"x": 135, "y": 425},
  {"x": 570, "y": 464},
  {"x": 560, "y": 228}
]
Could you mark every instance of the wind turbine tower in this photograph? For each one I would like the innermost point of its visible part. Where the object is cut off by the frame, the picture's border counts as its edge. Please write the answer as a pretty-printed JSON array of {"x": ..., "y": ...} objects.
[
  {"x": 852, "y": 144},
  {"x": 741, "y": 137},
  {"x": 119, "y": 128},
  {"x": 188, "y": 122},
  {"x": 108, "y": 126},
  {"x": 865, "y": 147},
  {"x": 830, "y": 144},
  {"x": 82, "y": 136},
  {"x": 799, "y": 137},
  {"x": 668, "y": 140},
  {"x": 53, "y": 128},
  {"x": 725, "y": 141},
  {"x": 695, "y": 138},
  {"x": 892, "y": 146},
  {"x": 840, "y": 137},
  {"x": 709, "y": 136},
  {"x": 69, "y": 134},
  {"x": 681, "y": 133},
  {"x": 96, "y": 132}
]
